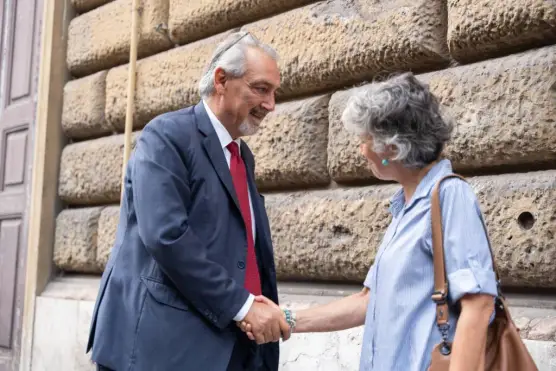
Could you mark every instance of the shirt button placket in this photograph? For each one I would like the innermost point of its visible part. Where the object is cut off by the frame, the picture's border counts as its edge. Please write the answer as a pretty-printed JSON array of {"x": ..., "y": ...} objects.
[{"x": 373, "y": 342}]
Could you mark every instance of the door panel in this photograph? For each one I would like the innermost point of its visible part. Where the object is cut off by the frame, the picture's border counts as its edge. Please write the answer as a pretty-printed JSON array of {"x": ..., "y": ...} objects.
[
  {"x": 16, "y": 150},
  {"x": 22, "y": 51},
  {"x": 9, "y": 240},
  {"x": 19, "y": 33}
]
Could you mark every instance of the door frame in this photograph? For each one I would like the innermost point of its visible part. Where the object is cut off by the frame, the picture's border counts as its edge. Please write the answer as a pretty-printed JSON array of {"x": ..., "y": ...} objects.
[
  {"x": 49, "y": 140},
  {"x": 19, "y": 111}
]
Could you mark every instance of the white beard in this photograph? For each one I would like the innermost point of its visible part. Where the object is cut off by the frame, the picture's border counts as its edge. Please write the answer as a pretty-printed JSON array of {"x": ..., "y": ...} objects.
[{"x": 248, "y": 128}]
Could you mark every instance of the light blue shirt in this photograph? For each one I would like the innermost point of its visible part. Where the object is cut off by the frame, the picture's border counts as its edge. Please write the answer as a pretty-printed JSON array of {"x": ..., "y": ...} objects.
[{"x": 400, "y": 330}]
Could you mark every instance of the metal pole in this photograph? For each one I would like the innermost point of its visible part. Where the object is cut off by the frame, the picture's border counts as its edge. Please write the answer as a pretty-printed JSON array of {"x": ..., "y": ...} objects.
[{"x": 130, "y": 89}]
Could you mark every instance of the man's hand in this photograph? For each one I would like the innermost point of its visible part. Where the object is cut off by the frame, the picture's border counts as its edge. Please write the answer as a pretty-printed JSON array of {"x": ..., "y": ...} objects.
[{"x": 265, "y": 322}]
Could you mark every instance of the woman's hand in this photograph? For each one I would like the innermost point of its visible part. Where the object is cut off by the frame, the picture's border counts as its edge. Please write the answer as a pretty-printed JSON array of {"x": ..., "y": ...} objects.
[
  {"x": 337, "y": 315},
  {"x": 247, "y": 328},
  {"x": 469, "y": 348}
]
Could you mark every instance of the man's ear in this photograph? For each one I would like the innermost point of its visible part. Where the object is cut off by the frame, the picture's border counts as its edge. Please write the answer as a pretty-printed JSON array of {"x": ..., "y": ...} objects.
[{"x": 220, "y": 80}]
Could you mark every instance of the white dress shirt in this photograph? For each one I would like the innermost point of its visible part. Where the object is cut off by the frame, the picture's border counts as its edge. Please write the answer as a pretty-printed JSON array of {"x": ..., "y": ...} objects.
[{"x": 225, "y": 139}]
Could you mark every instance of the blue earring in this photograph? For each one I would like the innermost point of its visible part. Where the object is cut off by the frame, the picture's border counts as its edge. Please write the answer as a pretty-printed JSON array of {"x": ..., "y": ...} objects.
[{"x": 385, "y": 162}]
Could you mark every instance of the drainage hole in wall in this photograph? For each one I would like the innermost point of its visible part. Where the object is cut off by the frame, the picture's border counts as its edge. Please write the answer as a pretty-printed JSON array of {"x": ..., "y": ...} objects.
[{"x": 526, "y": 220}]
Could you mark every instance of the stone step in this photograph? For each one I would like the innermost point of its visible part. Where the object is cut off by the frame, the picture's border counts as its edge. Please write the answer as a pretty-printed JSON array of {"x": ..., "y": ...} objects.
[{"x": 534, "y": 315}]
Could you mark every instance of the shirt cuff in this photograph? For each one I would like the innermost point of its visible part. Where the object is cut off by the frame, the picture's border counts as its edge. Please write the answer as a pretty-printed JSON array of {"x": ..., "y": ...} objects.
[
  {"x": 467, "y": 281},
  {"x": 245, "y": 308}
]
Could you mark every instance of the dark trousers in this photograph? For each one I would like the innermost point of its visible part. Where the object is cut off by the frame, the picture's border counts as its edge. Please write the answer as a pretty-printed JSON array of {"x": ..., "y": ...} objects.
[
  {"x": 243, "y": 355},
  {"x": 241, "y": 359}
]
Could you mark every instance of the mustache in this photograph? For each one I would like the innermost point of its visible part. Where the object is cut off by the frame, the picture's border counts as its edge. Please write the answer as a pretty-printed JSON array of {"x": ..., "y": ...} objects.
[{"x": 260, "y": 112}]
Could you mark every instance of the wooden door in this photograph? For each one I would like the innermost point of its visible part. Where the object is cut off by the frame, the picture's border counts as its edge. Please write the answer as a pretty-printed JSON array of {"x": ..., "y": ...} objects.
[{"x": 19, "y": 41}]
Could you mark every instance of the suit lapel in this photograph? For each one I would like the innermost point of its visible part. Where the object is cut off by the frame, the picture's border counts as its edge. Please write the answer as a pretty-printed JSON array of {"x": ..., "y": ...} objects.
[{"x": 213, "y": 148}]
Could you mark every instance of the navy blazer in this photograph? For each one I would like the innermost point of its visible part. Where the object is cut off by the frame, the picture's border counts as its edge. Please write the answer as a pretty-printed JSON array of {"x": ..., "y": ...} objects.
[{"x": 174, "y": 280}]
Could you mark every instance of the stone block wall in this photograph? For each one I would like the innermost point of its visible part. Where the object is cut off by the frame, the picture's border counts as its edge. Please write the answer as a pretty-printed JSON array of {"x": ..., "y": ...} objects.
[{"x": 493, "y": 67}]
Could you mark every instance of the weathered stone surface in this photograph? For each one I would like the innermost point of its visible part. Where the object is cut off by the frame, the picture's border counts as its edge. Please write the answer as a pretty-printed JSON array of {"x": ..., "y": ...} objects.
[
  {"x": 504, "y": 112},
  {"x": 486, "y": 28},
  {"x": 290, "y": 151},
  {"x": 192, "y": 20},
  {"x": 82, "y": 6},
  {"x": 107, "y": 225},
  {"x": 76, "y": 240},
  {"x": 165, "y": 82},
  {"x": 327, "y": 235},
  {"x": 91, "y": 171},
  {"x": 334, "y": 234},
  {"x": 83, "y": 109},
  {"x": 321, "y": 46},
  {"x": 101, "y": 38},
  {"x": 290, "y": 148},
  {"x": 542, "y": 329},
  {"x": 339, "y": 42}
]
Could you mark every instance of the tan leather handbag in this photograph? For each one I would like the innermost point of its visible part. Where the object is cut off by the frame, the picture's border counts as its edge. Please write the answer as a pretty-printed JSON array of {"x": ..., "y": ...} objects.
[{"x": 505, "y": 351}]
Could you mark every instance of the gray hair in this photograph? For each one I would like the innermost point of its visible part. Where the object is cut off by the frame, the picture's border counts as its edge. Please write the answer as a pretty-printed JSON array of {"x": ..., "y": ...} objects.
[
  {"x": 402, "y": 112},
  {"x": 230, "y": 55}
]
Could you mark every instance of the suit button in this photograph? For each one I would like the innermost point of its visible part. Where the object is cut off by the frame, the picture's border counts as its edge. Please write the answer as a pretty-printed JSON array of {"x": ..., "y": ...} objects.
[{"x": 241, "y": 265}]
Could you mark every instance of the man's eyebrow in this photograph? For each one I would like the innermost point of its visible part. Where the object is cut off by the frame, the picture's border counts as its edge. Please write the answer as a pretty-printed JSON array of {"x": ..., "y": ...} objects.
[{"x": 263, "y": 82}]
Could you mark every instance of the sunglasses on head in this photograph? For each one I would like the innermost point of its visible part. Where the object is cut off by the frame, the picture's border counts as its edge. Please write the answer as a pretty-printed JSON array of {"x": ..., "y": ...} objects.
[{"x": 224, "y": 50}]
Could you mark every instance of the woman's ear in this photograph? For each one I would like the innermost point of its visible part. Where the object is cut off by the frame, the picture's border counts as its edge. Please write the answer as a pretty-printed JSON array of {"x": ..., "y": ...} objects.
[{"x": 391, "y": 151}]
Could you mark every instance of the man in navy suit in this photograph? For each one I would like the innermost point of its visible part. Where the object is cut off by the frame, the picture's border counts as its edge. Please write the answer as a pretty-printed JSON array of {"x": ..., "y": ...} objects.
[{"x": 193, "y": 246}]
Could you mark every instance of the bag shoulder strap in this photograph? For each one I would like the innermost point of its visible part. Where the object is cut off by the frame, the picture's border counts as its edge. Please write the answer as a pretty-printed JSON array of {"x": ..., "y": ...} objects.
[{"x": 440, "y": 294}]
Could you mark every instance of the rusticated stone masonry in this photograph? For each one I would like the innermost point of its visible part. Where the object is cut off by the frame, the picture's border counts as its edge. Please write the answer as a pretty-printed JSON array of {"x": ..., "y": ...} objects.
[
  {"x": 76, "y": 239},
  {"x": 290, "y": 152},
  {"x": 504, "y": 111},
  {"x": 317, "y": 47},
  {"x": 480, "y": 29},
  {"x": 334, "y": 234},
  {"x": 492, "y": 65},
  {"x": 83, "y": 110},
  {"x": 82, "y": 6},
  {"x": 100, "y": 39},
  {"x": 194, "y": 20},
  {"x": 91, "y": 172}
]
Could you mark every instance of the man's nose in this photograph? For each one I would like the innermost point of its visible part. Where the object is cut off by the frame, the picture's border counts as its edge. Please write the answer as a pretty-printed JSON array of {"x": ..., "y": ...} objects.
[{"x": 269, "y": 104}]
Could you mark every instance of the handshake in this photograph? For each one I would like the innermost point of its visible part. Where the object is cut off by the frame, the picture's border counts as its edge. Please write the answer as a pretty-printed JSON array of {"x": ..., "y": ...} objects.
[{"x": 266, "y": 322}]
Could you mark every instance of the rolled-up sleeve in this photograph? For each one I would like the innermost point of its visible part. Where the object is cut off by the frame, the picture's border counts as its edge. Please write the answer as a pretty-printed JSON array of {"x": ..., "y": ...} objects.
[
  {"x": 467, "y": 255},
  {"x": 369, "y": 278}
]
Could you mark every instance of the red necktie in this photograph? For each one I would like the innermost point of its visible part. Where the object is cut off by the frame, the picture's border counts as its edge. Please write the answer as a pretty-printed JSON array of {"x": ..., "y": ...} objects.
[{"x": 239, "y": 177}]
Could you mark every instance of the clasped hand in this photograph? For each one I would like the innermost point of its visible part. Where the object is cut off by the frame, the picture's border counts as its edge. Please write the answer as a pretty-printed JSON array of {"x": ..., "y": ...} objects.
[{"x": 265, "y": 322}]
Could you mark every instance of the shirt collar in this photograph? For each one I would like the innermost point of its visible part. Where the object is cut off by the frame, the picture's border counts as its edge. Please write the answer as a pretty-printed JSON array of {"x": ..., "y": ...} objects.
[
  {"x": 223, "y": 135},
  {"x": 439, "y": 170}
]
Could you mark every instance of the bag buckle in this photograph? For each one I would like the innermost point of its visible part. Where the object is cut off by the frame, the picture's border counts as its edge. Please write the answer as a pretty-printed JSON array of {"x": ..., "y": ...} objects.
[{"x": 439, "y": 297}]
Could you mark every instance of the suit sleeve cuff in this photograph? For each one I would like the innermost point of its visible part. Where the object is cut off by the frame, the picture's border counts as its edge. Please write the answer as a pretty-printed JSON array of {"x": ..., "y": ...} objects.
[{"x": 245, "y": 308}]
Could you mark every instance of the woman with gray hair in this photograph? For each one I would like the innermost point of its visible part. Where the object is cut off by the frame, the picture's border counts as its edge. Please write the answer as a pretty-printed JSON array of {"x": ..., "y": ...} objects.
[{"x": 403, "y": 134}]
